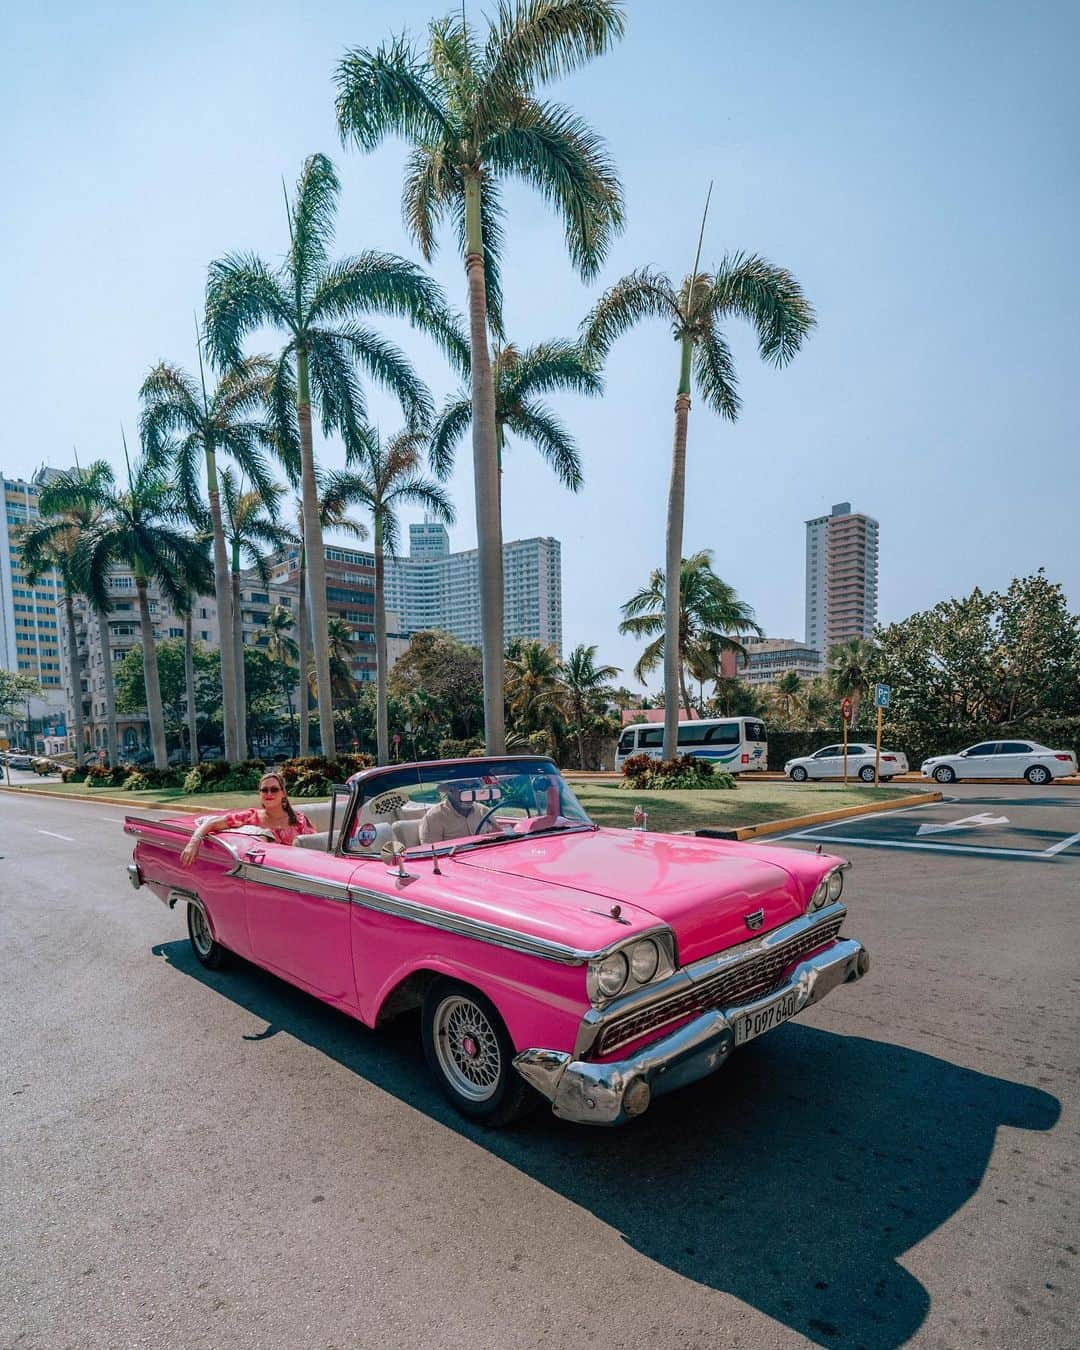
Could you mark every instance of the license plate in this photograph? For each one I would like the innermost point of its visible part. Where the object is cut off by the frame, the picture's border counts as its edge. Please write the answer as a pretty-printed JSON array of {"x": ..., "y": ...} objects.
[{"x": 750, "y": 1024}]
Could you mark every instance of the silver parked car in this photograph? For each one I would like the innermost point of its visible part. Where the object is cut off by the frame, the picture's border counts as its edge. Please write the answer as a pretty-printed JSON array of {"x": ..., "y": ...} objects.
[
  {"x": 1002, "y": 759},
  {"x": 829, "y": 763}
]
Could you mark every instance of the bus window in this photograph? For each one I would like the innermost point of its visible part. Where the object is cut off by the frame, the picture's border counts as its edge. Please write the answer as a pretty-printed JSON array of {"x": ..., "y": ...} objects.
[
  {"x": 652, "y": 738},
  {"x": 694, "y": 734},
  {"x": 727, "y": 733},
  {"x": 626, "y": 743},
  {"x": 755, "y": 731}
]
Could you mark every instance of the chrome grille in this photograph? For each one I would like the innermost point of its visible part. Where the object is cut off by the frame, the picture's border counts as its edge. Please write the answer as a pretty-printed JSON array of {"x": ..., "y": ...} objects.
[{"x": 741, "y": 982}]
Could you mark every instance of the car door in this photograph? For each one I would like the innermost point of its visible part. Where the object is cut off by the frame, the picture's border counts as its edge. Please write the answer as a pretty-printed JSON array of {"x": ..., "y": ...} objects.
[
  {"x": 827, "y": 763},
  {"x": 979, "y": 761},
  {"x": 297, "y": 903}
]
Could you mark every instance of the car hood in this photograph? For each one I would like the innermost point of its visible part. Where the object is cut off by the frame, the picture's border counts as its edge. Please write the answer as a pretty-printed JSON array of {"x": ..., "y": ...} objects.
[{"x": 703, "y": 889}]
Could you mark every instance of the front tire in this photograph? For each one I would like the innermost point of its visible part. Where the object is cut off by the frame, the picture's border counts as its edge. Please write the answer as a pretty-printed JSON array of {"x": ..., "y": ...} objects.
[
  {"x": 469, "y": 1051},
  {"x": 866, "y": 773},
  {"x": 1037, "y": 775},
  {"x": 208, "y": 952},
  {"x": 943, "y": 774},
  {"x": 799, "y": 774}
]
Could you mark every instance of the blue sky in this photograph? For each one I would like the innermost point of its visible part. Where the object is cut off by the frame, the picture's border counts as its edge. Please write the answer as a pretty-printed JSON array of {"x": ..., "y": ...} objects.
[{"x": 914, "y": 164}]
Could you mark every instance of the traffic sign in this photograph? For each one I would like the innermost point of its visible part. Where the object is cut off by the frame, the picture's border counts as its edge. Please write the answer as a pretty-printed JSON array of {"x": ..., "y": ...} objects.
[
  {"x": 845, "y": 709},
  {"x": 881, "y": 695}
]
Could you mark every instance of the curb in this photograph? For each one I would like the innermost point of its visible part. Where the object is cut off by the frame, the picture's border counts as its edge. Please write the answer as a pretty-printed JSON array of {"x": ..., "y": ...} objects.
[
  {"x": 103, "y": 799},
  {"x": 819, "y": 817}
]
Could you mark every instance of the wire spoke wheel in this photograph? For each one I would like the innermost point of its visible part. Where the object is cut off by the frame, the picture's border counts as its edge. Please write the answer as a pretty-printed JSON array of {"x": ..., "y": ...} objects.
[
  {"x": 467, "y": 1048},
  {"x": 201, "y": 935}
]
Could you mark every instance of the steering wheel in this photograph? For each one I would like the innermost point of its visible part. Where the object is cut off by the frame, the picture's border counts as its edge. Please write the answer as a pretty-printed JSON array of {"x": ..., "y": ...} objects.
[{"x": 500, "y": 806}]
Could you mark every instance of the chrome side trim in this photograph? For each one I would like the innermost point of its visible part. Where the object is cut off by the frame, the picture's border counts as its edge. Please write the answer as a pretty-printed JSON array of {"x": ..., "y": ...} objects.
[
  {"x": 479, "y": 929},
  {"x": 280, "y": 879},
  {"x": 143, "y": 827},
  {"x": 684, "y": 979}
]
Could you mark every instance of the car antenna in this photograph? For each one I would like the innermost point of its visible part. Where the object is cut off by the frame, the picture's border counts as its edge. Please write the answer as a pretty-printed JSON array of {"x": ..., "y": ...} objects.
[{"x": 818, "y": 850}]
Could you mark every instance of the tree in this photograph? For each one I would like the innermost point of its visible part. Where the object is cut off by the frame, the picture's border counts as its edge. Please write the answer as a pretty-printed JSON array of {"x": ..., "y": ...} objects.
[
  {"x": 587, "y": 692},
  {"x": 387, "y": 475},
  {"x": 785, "y": 697},
  {"x": 339, "y": 641},
  {"x": 519, "y": 377},
  {"x": 283, "y": 651},
  {"x": 138, "y": 528},
  {"x": 185, "y": 432},
  {"x": 15, "y": 689},
  {"x": 743, "y": 286},
  {"x": 850, "y": 672},
  {"x": 172, "y": 683},
  {"x": 316, "y": 304},
  {"x": 534, "y": 692},
  {"x": 709, "y": 612},
  {"x": 473, "y": 119},
  {"x": 448, "y": 672},
  {"x": 250, "y": 525}
]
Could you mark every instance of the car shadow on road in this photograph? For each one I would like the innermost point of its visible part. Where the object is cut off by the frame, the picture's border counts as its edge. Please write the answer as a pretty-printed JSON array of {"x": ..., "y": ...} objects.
[{"x": 794, "y": 1179}]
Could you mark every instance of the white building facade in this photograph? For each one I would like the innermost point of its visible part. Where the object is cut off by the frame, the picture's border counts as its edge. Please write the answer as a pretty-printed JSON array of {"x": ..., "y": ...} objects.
[
  {"x": 841, "y": 577},
  {"x": 769, "y": 658}
]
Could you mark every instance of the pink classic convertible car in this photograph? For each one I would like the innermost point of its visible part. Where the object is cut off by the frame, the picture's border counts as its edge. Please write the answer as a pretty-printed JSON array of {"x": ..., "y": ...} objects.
[{"x": 595, "y": 967}]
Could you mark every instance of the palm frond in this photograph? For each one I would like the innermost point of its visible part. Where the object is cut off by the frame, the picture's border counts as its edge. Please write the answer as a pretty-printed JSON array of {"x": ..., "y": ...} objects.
[
  {"x": 714, "y": 367},
  {"x": 280, "y": 394},
  {"x": 767, "y": 296},
  {"x": 432, "y": 185},
  {"x": 639, "y": 295},
  {"x": 449, "y": 428},
  {"x": 385, "y": 92},
  {"x": 491, "y": 227},
  {"x": 535, "y": 41},
  {"x": 242, "y": 294},
  {"x": 387, "y": 364},
  {"x": 172, "y": 403},
  {"x": 333, "y": 381},
  {"x": 312, "y": 218},
  {"x": 537, "y": 423},
  {"x": 557, "y": 153},
  {"x": 556, "y": 365}
]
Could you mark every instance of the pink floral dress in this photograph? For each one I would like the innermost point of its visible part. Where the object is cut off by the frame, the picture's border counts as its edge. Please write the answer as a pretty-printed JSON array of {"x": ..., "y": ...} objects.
[{"x": 284, "y": 834}]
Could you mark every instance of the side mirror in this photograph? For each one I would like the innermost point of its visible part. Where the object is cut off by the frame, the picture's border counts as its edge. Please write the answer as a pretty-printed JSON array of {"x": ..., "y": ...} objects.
[{"x": 393, "y": 855}]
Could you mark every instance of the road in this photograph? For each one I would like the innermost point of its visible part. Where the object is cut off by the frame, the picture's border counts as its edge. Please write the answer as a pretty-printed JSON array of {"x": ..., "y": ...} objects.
[{"x": 214, "y": 1159}]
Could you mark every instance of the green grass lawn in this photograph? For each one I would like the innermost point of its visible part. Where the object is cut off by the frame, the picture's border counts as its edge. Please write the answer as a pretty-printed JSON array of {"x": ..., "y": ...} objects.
[{"x": 748, "y": 804}]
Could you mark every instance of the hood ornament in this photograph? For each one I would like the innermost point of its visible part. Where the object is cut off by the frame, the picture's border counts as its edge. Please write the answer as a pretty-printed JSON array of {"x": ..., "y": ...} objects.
[{"x": 754, "y": 920}]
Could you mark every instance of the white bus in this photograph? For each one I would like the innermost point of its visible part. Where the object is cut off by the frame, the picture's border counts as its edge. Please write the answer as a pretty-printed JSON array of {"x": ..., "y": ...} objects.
[{"x": 732, "y": 743}]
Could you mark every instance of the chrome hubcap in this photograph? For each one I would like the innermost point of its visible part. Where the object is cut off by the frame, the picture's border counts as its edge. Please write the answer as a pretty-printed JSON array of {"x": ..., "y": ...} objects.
[
  {"x": 467, "y": 1048},
  {"x": 200, "y": 931}
]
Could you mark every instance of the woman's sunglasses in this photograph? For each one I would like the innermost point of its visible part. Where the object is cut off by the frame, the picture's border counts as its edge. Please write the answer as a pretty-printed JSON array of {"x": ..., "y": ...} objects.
[{"x": 269, "y": 791}]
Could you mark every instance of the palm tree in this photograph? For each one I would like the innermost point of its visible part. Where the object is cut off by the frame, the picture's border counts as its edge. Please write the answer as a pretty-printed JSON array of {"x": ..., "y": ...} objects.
[
  {"x": 709, "y": 612},
  {"x": 316, "y": 304},
  {"x": 473, "y": 118},
  {"x": 68, "y": 508},
  {"x": 185, "y": 430},
  {"x": 249, "y": 521},
  {"x": 138, "y": 528},
  {"x": 850, "y": 671},
  {"x": 188, "y": 611},
  {"x": 339, "y": 639},
  {"x": 387, "y": 475},
  {"x": 586, "y": 686},
  {"x": 534, "y": 693},
  {"x": 786, "y": 696},
  {"x": 283, "y": 651},
  {"x": 519, "y": 377},
  {"x": 742, "y": 286}
]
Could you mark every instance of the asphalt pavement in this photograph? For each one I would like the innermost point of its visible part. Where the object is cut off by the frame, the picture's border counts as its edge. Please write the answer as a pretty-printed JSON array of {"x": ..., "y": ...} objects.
[{"x": 195, "y": 1159}]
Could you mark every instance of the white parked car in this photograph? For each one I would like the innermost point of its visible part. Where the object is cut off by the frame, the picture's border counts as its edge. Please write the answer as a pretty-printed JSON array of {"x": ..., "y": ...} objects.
[
  {"x": 829, "y": 763},
  {"x": 1002, "y": 759}
]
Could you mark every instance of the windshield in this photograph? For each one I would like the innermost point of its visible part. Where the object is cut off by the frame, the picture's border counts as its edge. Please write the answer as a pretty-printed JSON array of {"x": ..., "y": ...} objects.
[{"x": 475, "y": 802}]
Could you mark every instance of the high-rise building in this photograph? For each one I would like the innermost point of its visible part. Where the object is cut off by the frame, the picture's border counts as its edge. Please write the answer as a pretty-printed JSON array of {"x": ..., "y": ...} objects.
[
  {"x": 769, "y": 658},
  {"x": 350, "y": 595},
  {"x": 841, "y": 577},
  {"x": 28, "y": 636},
  {"x": 434, "y": 588}
]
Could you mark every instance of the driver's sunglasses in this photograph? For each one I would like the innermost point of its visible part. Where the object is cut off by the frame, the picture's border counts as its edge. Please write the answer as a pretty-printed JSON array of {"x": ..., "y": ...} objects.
[{"x": 269, "y": 791}]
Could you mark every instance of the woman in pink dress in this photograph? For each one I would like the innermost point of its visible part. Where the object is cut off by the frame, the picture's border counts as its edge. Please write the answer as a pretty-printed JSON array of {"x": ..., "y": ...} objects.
[{"x": 275, "y": 814}]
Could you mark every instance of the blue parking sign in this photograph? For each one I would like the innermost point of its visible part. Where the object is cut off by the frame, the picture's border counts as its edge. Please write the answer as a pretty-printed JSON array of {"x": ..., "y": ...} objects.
[{"x": 881, "y": 695}]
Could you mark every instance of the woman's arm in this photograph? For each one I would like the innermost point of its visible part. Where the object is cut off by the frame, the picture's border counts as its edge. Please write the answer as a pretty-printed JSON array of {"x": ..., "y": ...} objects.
[{"x": 208, "y": 825}]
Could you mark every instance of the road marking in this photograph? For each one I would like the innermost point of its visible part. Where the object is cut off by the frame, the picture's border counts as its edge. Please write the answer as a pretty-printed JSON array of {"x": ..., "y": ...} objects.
[
  {"x": 868, "y": 842},
  {"x": 1063, "y": 844},
  {"x": 965, "y": 823},
  {"x": 53, "y": 835}
]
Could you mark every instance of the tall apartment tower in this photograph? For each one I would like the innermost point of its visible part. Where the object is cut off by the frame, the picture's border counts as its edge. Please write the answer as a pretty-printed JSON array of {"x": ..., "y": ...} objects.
[
  {"x": 841, "y": 577},
  {"x": 28, "y": 632}
]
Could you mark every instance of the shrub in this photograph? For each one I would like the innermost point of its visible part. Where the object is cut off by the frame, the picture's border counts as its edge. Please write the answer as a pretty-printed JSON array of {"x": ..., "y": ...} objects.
[
  {"x": 310, "y": 783},
  {"x": 73, "y": 775},
  {"x": 204, "y": 777},
  {"x": 687, "y": 773},
  {"x": 450, "y": 749},
  {"x": 136, "y": 782}
]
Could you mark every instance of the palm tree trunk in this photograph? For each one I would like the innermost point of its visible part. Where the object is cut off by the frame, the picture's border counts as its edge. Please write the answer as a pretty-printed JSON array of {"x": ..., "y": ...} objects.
[
  {"x": 673, "y": 675},
  {"x": 150, "y": 678},
  {"x": 189, "y": 684},
  {"x": 75, "y": 675},
  {"x": 485, "y": 476},
  {"x": 224, "y": 610},
  {"x": 238, "y": 660},
  {"x": 382, "y": 728},
  {"x": 112, "y": 749},
  {"x": 313, "y": 541},
  {"x": 304, "y": 659}
]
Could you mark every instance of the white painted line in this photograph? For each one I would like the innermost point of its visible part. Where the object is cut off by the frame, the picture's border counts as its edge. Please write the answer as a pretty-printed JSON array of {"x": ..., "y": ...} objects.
[
  {"x": 938, "y": 848},
  {"x": 54, "y": 835},
  {"x": 1063, "y": 844},
  {"x": 964, "y": 823}
]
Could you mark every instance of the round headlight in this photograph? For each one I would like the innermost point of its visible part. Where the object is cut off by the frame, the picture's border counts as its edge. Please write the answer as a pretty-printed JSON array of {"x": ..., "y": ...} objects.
[
  {"x": 644, "y": 959},
  {"x": 611, "y": 974},
  {"x": 821, "y": 894},
  {"x": 836, "y": 884}
]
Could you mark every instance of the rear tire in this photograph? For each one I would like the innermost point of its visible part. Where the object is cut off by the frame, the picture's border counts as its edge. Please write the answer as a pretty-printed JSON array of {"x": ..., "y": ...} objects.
[
  {"x": 943, "y": 774},
  {"x": 799, "y": 774},
  {"x": 208, "y": 952},
  {"x": 469, "y": 1051},
  {"x": 1037, "y": 775},
  {"x": 866, "y": 773}
]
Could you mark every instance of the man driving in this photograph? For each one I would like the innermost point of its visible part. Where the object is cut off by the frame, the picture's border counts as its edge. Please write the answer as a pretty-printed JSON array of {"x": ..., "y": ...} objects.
[{"x": 455, "y": 816}]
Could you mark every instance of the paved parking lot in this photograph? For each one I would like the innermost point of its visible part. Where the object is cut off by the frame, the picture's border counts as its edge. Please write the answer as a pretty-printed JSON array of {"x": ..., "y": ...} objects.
[{"x": 214, "y": 1159}]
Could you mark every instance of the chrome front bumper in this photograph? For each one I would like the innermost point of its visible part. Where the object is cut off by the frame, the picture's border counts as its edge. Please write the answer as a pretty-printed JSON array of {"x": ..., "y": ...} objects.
[{"x": 615, "y": 1091}]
